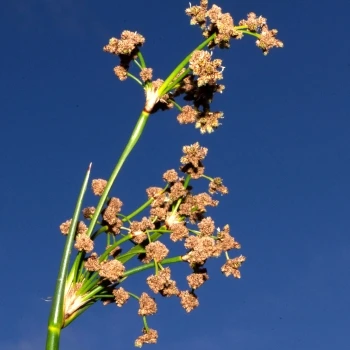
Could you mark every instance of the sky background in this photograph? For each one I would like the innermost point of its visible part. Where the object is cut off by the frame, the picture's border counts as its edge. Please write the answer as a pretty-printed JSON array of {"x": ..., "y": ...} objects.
[{"x": 283, "y": 151}]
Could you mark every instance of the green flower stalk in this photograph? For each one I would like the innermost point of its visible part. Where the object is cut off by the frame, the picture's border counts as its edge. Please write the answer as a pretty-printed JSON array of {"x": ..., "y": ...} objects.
[{"x": 173, "y": 209}]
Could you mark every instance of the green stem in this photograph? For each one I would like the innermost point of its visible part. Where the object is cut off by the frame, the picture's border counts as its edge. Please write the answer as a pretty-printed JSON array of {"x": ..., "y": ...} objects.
[
  {"x": 142, "y": 207},
  {"x": 142, "y": 60},
  {"x": 179, "y": 79},
  {"x": 56, "y": 318},
  {"x": 136, "y": 79},
  {"x": 135, "y": 136},
  {"x": 140, "y": 125}
]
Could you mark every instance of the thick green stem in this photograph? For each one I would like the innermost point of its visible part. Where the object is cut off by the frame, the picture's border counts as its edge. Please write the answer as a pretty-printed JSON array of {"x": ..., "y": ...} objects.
[
  {"x": 138, "y": 129},
  {"x": 128, "y": 148},
  {"x": 56, "y": 318}
]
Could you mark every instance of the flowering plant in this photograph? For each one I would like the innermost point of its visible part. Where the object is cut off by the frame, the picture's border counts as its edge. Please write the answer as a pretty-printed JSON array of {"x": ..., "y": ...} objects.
[{"x": 173, "y": 209}]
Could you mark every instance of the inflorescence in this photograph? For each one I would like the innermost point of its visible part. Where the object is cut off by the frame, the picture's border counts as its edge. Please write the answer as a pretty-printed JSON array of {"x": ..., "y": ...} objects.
[{"x": 174, "y": 210}]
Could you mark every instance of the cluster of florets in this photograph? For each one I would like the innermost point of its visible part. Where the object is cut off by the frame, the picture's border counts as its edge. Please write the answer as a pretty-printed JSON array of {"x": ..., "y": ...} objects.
[
  {"x": 213, "y": 21},
  {"x": 199, "y": 82},
  {"x": 175, "y": 211}
]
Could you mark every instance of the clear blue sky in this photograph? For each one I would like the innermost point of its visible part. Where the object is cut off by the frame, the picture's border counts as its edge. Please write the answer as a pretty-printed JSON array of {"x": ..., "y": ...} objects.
[{"x": 283, "y": 151}]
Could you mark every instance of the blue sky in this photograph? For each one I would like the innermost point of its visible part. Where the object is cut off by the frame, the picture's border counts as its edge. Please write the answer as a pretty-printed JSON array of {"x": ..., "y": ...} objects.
[{"x": 283, "y": 151}]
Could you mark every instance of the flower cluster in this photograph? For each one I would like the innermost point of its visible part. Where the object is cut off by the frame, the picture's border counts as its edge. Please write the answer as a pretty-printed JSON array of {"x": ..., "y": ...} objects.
[
  {"x": 196, "y": 78},
  {"x": 222, "y": 26},
  {"x": 174, "y": 210}
]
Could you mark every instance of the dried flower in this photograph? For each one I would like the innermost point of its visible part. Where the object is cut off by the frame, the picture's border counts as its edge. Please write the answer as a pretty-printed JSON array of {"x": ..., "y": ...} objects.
[
  {"x": 147, "y": 305},
  {"x": 177, "y": 190},
  {"x": 83, "y": 243},
  {"x": 170, "y": 176},
  {"x": 162, "y": 283},
  {"x": 111, "y": 211},
  {"x": 156, "y": 251},
  {"x": 81, "y": 227},
  {"x": 179, "y": 232},
  {"x": 216, "y": 185},
  {"x": 189, "y": 300},
  {"x": 207, "y": 226},
  {"x": 113, "y": 270},
  {"x": 88, "y": 212},
  {"x": 195, "y": 280},
  {"x": 231, "y": 267},
  {"x": 138, "y": 228},
  {"x": 128, "y": 42},
  {"x": 146, "y": 74},
  {"x": 268, "y": 40},
  {"x": 226, "y": 241},
  {"x": 208, "y": 71},
  {"x": 121, "y": 296},
  {"x": 98, "y": 186},
  {"x": 92, "y": 263},
  {"x": 201, "y": 248},
  {"x": 150, "y": 336}
]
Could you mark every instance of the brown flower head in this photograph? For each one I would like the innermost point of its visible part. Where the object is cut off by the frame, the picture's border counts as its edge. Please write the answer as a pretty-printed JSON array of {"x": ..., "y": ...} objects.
[
  {"x": 113, "y": 270},
  {"x": 193, "y": 154},
  {"x": 159, "y": 213},
  {"x": 156, "y": 251},
  {"x": 253, "y": 22},
  {"x": 83, "y": 243},
  {"x": 188, "y": 115},
  {"x": 162, "y": 283},
  {"x": 201, "y": 97},
  {"x": 226, "y": 241},
  {"x": 111, "y": 211},
  {"x": 231, "y": 266},
  {"x": 189, "y": 301},
  {"x": 216, "y": 185},
  {"x": 121, "y": 72},
  {"x": 158, "y": 196},
  {"x": 208, "y": 121},
  {"x": 268, "y": 40},
  {"x": 115, "y": 228},
  {"x": 64, "y": 227},
  {"x": 121, "y": 296},
  {"x": 128, "y": 42},
  {"x": 194, "y": 207},
  {"x": 177, "y": 190},
  {"x": 149, "y": 337},
  {"x": 195, "y": 280},
  {"x": 179, "y": 232},
  {"x": 170, "y": 176},
  {"x": 146, "y": 74},
  {"x": 208, "y": 71},
  {"x": 92, "y": 263},
  {"x": 192, "y": 160},
  {"x": 138, "y": 228},
  {"x": 147, "y": 305},
  {"x": 223, "y": 25},
  {"x": 197, "y": 13},
  {"x": 201, "y": 248},
  {"x": 81, "y": 227},
  {"x": 98, "y": 186},
  {"x": 88, "y": 212},
  {"x": 204, "y": 200},
  {"x": 206, "y": 226}
]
